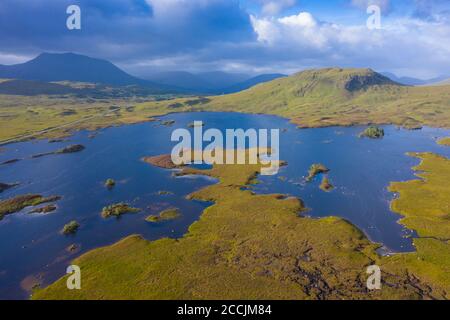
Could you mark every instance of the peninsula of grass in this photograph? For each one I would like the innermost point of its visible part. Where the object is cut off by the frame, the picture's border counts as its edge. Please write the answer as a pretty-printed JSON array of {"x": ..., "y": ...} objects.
[
  {"x": 118, "y": 209},
  {"x": 110, "y": 183},
  {"x": 444, "y": 141},
  {"x": 18, "y": 203},
  {"x": 326, "y": 185},
  {"x": 372, "y": 133},
  {"x": 315, "y": 169},
  {"x": 70, "y": 228},
  {"x": 162, "y": 161},
  {"x": 168, "y": 214},
  {"x": 253, "y": 246}
]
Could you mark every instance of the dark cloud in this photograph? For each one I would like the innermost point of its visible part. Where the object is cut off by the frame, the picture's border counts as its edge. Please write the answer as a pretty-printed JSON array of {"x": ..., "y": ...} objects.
[
  {"x": 121, "y": 29},
  {"x": 143, "y": 36}
]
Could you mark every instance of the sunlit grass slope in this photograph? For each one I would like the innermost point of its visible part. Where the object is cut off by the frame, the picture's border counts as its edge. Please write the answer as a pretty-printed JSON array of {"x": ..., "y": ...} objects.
[
  {"x": 325, "y": 97},
  {"x": 425, "y": 205}
]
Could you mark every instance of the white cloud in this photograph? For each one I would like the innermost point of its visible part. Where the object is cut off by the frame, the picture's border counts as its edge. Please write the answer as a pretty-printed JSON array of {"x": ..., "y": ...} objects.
[{"x": 402, "y": 44}]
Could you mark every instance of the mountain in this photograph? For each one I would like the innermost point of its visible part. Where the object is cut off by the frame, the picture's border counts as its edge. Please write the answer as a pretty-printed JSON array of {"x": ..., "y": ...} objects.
[
  {"x": 215, "y": 82},
  {"x": 412, "y": 81},
  {"x": 219, "y": 80},
  {"x": 182, "y": 79},
  {"x": 335, "y": 96},
  {"x": 252, "y": 82},
  {"x": 74, "y": 67}
]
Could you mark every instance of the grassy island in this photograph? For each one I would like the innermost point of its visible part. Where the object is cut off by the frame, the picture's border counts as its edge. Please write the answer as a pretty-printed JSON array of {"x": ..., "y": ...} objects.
[
  {"x": 18, "y": 203},
  {"x": 118, "y": 209},
  {"x": 70, "y": 228},
  {"x": 193, "y": 125},
  {"x": 325, "y": 185},
  {"x": 249, "y": 246},
  {"x": 168, "y": 214},
  {"x": 316, "y": 169},
  {"x": 110, "y": 183},
  {"x": 372, "y": 133}
]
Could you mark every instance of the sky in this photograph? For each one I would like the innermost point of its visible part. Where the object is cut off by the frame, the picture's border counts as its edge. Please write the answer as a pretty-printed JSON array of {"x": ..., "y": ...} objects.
[{"x": 242, "y": 36}]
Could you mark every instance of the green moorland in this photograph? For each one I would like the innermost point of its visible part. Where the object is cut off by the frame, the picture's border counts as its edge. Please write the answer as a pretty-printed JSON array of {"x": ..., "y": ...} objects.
[
  {"x": 312, "y": 98},
  {"x": 24, "y": 117},
  {"x": 249, "y": 246},
  {"x": 334, "y": 96}
]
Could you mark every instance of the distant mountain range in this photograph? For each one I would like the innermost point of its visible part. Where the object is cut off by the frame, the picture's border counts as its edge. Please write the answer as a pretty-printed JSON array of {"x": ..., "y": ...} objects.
[
  {"x": 53, "y": 67},
  {"x": 413, "y": 81},
  {"x": 70, "y": 67},
  {"x": 216, "y": 82}
]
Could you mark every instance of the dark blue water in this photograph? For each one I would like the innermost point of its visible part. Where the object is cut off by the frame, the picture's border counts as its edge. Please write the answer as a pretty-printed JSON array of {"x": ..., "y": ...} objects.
[{"x": 30, "y": 244}]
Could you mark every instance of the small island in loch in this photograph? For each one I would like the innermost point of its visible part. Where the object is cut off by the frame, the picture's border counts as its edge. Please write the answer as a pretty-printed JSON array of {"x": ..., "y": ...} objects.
[
  {"x": 372, "y": 133},
  {"x": 118, "y": 209},
  {"x": 110, "y": 183},
  {"x": 315, "y": 169},
  {"x": 70, "y": 228},
  {"x": 168, "y": 214},
  {"x": 326, "y": 185}
]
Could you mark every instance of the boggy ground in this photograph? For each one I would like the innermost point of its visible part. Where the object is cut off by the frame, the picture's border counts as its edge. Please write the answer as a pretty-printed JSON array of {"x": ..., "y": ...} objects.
[{"x": 249, "y": 246}]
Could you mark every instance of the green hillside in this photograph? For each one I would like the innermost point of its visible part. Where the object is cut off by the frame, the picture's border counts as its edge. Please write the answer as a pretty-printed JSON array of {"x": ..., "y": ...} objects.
[
  {"x": 312, "y": 98},
  {"x": 334, "y": 96}
]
